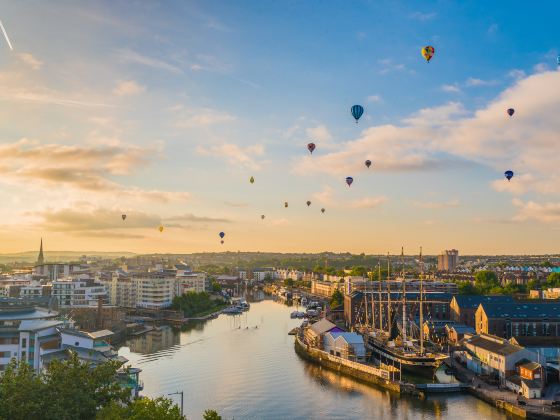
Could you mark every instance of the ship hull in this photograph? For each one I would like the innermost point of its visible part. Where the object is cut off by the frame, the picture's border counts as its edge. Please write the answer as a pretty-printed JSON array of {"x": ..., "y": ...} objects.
[{"x": 415, "y": 364}]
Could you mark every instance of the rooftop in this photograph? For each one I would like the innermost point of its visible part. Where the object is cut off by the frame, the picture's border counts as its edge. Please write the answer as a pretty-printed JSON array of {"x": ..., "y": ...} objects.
[
  {"x": 536, "y": 341},
  {"x": 322, "y": 326},
  {"x": 467, "y": 301},
  {"x": 93, "y": 335},
  {"x": 522, "y": 310},
  {"x": 493, "y": 345},
  {"x": 39, "y": 324}
]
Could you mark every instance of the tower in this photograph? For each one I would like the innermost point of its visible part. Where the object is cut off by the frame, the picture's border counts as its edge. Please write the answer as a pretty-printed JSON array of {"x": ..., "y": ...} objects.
[{"x": 41, "y": 258}]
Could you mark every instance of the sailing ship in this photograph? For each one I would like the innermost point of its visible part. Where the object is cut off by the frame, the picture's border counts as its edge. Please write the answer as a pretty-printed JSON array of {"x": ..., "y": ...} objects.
[{"x": 394, "y": 346}]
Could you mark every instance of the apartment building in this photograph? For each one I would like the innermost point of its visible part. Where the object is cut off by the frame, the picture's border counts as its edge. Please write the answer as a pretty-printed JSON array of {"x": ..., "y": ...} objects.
[
  {"x": 154, "y": 290},
  {"x": 81, "y": 291},
  {"x": 448, "y": 260},
  {"x": 190, "y": 281}
]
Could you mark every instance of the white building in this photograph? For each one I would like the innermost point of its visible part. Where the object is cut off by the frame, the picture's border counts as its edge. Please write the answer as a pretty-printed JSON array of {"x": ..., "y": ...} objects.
[
  {"x": 82, "y": 291},
  {"x": 55, "y": 271},
  {"x": 154, "y": 290},
  {"x": 122, "y": 290},
  {"x": 347, "y": 345},
  {"x": 190, "y": 281},
  {"x": 284, "y": 274}
]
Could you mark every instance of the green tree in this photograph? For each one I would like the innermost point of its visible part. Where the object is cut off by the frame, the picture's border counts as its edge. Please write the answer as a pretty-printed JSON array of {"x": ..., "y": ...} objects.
[
  {"x": 467, "y": 288},
  {"x": 142, "y": 409},
  {"x": 21, "y": 392},
  {"x": 337, "y": 298},
  {"x": 486, "y": 280},
  {"x": 289, "y": 282},
  {"x": 553, "y": 280},
  {"x": 216, "y": 287},
  {"x": 359, "y": 271},
  {"x": 211, "y": 415}
]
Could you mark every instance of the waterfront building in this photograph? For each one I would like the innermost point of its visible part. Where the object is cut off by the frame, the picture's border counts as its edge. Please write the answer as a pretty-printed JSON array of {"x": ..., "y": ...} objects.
[
  {"x": 121, "y": 289},
  {"x": 494, "y": 356},
  {"x": 190, "y": 281},
  {"x": 35, "y": 290},
  {"x": 26, "y": 332},
  {"x": 348, "y": 345},
  {"x": 518, "y": 319},
  {"x": 463, "y": 308},
  {"x": 456, "y": 332},
  {"x": 325, "y": 289},
  {"x": 258, "y": 274},
  {"x": 284, "y": 274},
  {"x": 155, "y": 290},
  {"x": 79, "y": 291},
  {"x": 448, "y": 260},
  {"x": 552, "y": 293},
  {"x": 546, "y": 348},
  {"x": 314, "y": 333}
]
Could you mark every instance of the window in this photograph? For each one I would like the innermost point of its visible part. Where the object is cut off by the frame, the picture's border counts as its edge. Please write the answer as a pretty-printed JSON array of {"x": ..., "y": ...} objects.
[
  {"x": 24, "y": 342},
  {"x": 22, "y": 355},
  {"x": 5, "y": 354}
]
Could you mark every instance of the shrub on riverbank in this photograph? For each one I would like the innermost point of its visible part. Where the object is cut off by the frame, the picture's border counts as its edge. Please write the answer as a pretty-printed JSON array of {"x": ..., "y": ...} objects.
[{"x": 194, "y": 304}]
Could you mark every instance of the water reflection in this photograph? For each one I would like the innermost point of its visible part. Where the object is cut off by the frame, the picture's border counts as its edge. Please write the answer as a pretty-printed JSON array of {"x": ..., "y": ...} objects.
[
  {"x": 160, "y": 338},
  {"x": 246, "y": 368}
]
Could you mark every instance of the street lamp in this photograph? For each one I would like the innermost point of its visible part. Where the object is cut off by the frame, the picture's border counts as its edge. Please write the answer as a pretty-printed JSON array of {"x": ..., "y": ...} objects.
[{"x": 179, "y": 393}]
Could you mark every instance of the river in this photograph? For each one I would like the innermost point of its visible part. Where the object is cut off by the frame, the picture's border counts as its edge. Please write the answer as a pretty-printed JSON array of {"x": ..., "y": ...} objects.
[{"x": 245, "y": 367}]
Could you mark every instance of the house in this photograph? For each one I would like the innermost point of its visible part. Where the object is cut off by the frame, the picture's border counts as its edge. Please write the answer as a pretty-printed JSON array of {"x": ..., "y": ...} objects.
[
  {"x": 463, "y": 307},
  {"x": 347, "y": 345},
  {"x": 531, "y": 371},
  {"x": 494, "y": 356},
  {"x": 436, "y": 330},
  {"x": 457, "y": 332},
  {"x": 518, "y": 319},
  {"x": 314, "y": 333}
]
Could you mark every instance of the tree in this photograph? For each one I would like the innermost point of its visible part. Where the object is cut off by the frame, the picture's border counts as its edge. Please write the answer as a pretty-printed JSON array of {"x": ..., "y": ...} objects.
[
  {"x": 216, "y": 287},
  {"x": 142, "y": 409},
  {"x": 289, "y": 282},
  {"x": 21, "y": 392},
  {"x": 211, "y": 415},
  {"x": 337, "y": 298},
  {"x": 467, "y": 288},
  {"x": 486, "y": 280},
  {"x": 553, "y": 280}
]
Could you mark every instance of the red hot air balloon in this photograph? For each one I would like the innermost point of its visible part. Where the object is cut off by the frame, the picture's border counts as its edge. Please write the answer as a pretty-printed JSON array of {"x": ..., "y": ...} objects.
[{"x": 311, "y": 147}]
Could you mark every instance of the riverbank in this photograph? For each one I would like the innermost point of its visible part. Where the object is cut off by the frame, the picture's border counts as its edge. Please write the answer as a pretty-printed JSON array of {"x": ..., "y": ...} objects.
[{"x": 501, "y": 399}]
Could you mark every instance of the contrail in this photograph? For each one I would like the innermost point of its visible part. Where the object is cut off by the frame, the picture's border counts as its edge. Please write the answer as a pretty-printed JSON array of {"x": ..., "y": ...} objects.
[{"x": 6, "y": 36}]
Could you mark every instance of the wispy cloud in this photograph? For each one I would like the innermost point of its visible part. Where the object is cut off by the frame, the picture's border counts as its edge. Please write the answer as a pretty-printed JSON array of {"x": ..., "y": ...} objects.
[
  {"x": 389, "y": 66},
  {"x": 203, "y": 117},
  {"x": 368, "y": 202},
  {"x": 436, "y": 204},
  {"x": 540, "y": 212},
  {"x": 235, "y": 155},
  {"x": 423, "y": 17},
  {"x": 374, "y": 98},
  {"x": 30, "y": 60},
  {"x": 451, "y": 88},
  {"x": 128, "y": 87},
  {"x": 189, "y": 217},
  {"x": 129, "y": 56},
  {"x": 474, "y": 82}
]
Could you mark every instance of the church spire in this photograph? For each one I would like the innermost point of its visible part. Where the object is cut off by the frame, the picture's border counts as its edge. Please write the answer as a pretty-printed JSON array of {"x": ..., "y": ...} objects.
[{"x": 41, "y": 258}]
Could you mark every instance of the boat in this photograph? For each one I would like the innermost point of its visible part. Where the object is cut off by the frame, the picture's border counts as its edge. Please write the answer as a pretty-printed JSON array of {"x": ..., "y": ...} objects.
[
  {"x": 294, "y": 314},
  {"x": 304, "y": 301},
  {"x": 410, "y": 354},
  {"x": 232, "y": 310},
  {"x": 301, "y": 315}
]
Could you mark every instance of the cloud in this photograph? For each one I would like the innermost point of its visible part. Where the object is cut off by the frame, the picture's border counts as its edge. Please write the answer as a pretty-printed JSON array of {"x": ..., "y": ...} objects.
[
  {"x": 86, "y": 218},
  {"x": 320, "y": 135},
  {"x": 189, "y": 217},
  {"x": 236, "y": 203},
  {"x": 368, "y": 202},
  {"x": 540, "y": 67},
  {"x": 447, "y": 135},
  {"x": 517, "y": 74},
  {"x": 435, "y": 204},
  {"x": 80, "y": 167},
  {"x": 325, "y": 196},
  {"x": 388, "y": 66},
  {"x": 474, "y": 82},
  {"x": 423, "y": 17},
  {"x": 374, "y": 98},
  {"x": 192, "y": 118},
  {"x": 451, "y": 88},
  {"x": 128, "y": 87},
  {"x": 30, "y": 60},
  {"x": 235, "y": 155},
  {"x": 530, "y": 210},
  {"x": 129, "y": 56}
]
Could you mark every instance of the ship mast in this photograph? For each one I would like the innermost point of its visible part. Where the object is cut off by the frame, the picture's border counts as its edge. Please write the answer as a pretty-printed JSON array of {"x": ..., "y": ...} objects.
[
  {"x": 372, "y": 306},
  {"x": 421, "y": 303},
  {"x": 380, "y": 304},
  {"x": 389, "y": 296},
  {"x": 403, "y": 298},
  {"x": 366, "y": 304}
]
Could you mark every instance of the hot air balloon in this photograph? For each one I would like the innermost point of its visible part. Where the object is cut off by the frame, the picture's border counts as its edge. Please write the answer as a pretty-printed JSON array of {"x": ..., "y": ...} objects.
[
  {"x": 311, "y": 147},
  {"x": 252, "y": 180},
  {"x": 308, "y": 203},
  {"x": 123, "y": 216},
  {"x": 428, "y": 52},
  {"x": 161, "y": 228},
  {"x": 222, "y": 241},
  {"x": 222, "y": 234},
  {"x": 510, "y": 111},
  {"x": 349, "y": 180},
  {"x": 286, "y": 204},
  {"x": 357, "y": 111},
  {"x": 262, "y": 216},
  {"x": 508, "y": 175},
  {"x": 322, "y": 210},
  {"x": 368, "y": 163}
]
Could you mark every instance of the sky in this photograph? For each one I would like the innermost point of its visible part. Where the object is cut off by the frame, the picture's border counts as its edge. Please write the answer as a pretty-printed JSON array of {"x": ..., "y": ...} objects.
[{"x": 164, "y": 110}]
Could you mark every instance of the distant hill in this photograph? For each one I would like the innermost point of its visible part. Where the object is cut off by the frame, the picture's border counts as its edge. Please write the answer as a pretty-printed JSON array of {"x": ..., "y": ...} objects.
[{"x": 56, "y": 256}]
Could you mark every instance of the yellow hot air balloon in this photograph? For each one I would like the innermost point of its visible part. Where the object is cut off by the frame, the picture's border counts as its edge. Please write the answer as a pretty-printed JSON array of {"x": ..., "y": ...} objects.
[
  {"x": 160, "y": 228},
  {"x": 252, "y": 180},
  {"x": 428, "y": 52}
]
